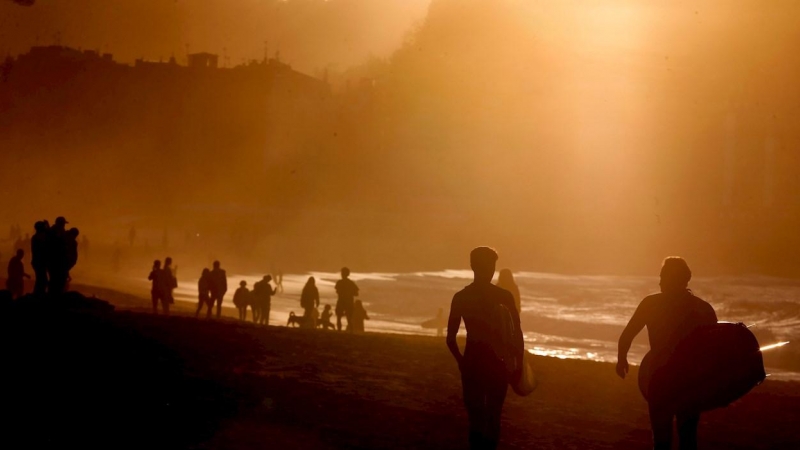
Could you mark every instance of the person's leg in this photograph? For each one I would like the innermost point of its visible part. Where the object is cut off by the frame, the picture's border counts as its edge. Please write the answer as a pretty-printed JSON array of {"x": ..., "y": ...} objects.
[
  {"x": 265, "y": 314},
  {"x": 199, "y": 307},
  {"x": 165, "y": 305},
  {"x": 219, "y": 306},
  {"x": 496, "y": 389},
  {"x": 339, "y": 312},
  {"x": 154, "y": 297},
  {"x": 687, "y": 431},
  {"x": 40, "y": 285},
  {"x": 475, "y": 403},
  {"x": 348, "y": 314},
  {"x": 661, "y": 423}
]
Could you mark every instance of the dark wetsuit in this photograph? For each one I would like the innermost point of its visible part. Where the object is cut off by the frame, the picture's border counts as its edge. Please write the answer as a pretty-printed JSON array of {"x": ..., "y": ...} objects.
[
  {"x": 669, "y": 318},
  {"x": 346, "y": 291},
  {"x": 219, "y": 286},
  {"x": 483, "y": 376},
  {"x": 39, "y": 261}
]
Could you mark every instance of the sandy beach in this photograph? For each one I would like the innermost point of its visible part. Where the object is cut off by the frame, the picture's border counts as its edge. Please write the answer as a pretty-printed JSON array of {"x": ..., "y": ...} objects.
[{"x": 128, "y": 379}]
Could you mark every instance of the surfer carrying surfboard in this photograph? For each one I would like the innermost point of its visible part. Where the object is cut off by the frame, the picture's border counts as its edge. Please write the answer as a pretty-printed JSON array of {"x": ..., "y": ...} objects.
[
  {"x": 487, "y": 311},
  {"x": 669, "y": 316}
]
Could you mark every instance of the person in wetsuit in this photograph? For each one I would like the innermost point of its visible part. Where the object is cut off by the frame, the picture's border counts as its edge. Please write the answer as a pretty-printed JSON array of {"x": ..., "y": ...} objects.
[
  {"x": 346, "y": 292},
  {"x": 484, "y": 376},
  {"x": 669, "y": 316}
]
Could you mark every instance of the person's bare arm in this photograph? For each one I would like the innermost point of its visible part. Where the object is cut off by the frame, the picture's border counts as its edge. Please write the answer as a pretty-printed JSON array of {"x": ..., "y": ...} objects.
[
  {"x": 635, "y": 325},
  {"x": 453, "y": 324}
]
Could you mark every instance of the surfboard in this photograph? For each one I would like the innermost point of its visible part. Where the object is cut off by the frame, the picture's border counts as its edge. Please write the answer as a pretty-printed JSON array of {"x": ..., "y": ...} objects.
[
  {"x": 526, "y": 383},
  {"x": 711, "y": 368}
]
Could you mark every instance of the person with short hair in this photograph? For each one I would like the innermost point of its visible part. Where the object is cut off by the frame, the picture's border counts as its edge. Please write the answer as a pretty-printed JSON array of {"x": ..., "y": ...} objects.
[
  {"x": 484, "y": 372},
  {"x": 241, "y": 298},
  {"x": 15, "y": 282},
  {"x": 157, "y": 286},
  {"x": 670, "y": 316},
  {"x": 219, "y": 286},
  {"x": 262, "y": 298},
  {"x": 346, "y": 291}
]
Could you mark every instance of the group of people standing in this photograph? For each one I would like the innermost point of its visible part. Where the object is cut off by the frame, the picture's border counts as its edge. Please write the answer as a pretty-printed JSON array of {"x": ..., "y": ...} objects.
[
  {"x": 213, "y": 285},
  {"x": 54, "y": 252},
  {"x": 259, "y": 300},
  {"x": 347, "y": 306},
  {"x": 164, "y": 281}
]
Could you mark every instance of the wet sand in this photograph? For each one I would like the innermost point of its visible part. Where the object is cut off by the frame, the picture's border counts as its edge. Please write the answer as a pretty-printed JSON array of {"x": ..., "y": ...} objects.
[{"x": 190, "y": 383}]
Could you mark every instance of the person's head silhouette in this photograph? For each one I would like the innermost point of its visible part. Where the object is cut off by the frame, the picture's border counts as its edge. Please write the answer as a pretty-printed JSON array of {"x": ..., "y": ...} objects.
[
  {"x": 20, "y": 253},
  {"x": 216, "y": 265},
  {"x": 345, "y": 272},
  {"x": 483, "y": 261},
  {"x": 675, "y": 275},
  {"x": 156, "y": 264},
  {"x": 243, "y": 283}
]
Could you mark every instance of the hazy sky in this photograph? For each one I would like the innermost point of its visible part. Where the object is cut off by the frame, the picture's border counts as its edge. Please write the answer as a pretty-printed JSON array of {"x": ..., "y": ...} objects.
[{"x": 309, "y": 33}]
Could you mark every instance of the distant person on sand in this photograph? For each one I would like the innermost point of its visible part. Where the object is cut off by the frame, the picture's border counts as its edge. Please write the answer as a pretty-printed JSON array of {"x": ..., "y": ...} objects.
[
  {"x": 219, "y": 286},
  {"x": 204, "y": 293},
  {"x": 669, "y": 316},
  {"x": 309, "y": 301},
  {"x": 325, "y": 318},
  {"x": 39, "y": 256},
  {"x": 16, "y": 275},
  {"x": 346, "y": 291},
  {"x": 156, "y": 278},
  {"x": 241, "y": 298},
  {"x": 484, "y": 375},
  {"x": 169, "y": 283},
  {"x": 359, "y": 316},
  {"x": 279, "y": 282},
  {"x": 506, "y": 281},
  {"x": 262, "y": 297},
  {"x": 57, "y": 260}
]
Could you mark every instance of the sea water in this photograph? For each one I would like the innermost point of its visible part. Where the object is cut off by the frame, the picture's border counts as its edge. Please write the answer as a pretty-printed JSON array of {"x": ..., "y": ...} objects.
[{"x": 563, "y": 316}]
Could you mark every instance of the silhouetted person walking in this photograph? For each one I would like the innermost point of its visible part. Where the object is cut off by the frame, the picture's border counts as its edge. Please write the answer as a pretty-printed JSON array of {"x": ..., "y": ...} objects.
[
  {"x": 169, "y": 283},
  {"x": 506, "y": 281},
  {"x": 484, "y": 375},
  {"x": 57, "y": 259},
  {"x": 39, "y": 256},
  {"x": 669, "y": 316},
  {"x": 262, "y": 297},
  {"x": 241, "y": 298},
  {"x": 309, "y": 301},
  {"x": 204, "y": 293},
  {"x": 219, "y": 286},
  {"x": 346, "y": 291},
  {"x": 16, "y": 275},
  {"x": 157, "y": 294}
]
